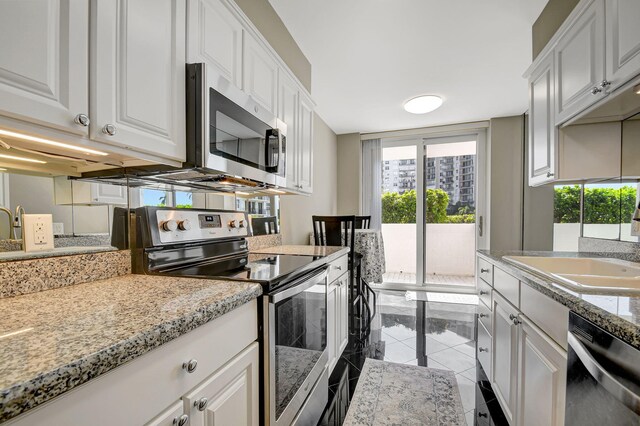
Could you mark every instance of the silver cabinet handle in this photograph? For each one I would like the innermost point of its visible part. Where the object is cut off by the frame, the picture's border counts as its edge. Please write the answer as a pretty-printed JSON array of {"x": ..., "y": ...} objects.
[
  {"x": 190, "y": 366},
  {"x": 182, "y": 420},
  {"x": 201, "y": 404},
  {"x": 605, "y": 83},
  {"x": 484, "y": 271},
  {"x": 549, "y": 174},
  {"x": 82, "y": 119},
  {"x": 618, "y": 390},
  {"x": 596, "y": 90},
  {"x": 339, "y": 268},
  {"x": 109, "y": 129},
  {"x": 515, "y": 319},
  {"x": 483, "y": 315},
  {"x": 482, "y": 292},
  {"x": 483, "y": 349}
]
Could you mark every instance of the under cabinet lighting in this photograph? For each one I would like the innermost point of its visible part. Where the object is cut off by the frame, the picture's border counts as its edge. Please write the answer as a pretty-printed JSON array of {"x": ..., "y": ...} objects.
[
  {"x": 637, "y": 89},
  {"x": 50, "y": 142},
  {"x": 242, "y": 193},
  {"x": 277, "y": 191},
  {"x": 28, "y": 160},
  {"x": 2, "y": 169}
]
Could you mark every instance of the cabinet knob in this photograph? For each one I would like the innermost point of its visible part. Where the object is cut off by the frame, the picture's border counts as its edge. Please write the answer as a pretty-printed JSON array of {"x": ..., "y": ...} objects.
[
  {"x": 201, "y": 404},
  {"x": 605, "y": 83},
  {"x": 109, "y": 129},
  {"x": 182, "y": 420},
  {"x": 483, "y": 349},
  {"x": 596, "y": 90},
  {"x": 82, "y": 119},
  {"x": 190, "y": 366},
  {"x": 482, "y": 292},
  {"x": 483, "y": 315},
  {"x": 515, "y": 319},
  {"x": 339, "y": 268},
  {"x": 480, "y": 414},
  {"x": 549, "y": 174},
  {"x": 484, "y": 271}
]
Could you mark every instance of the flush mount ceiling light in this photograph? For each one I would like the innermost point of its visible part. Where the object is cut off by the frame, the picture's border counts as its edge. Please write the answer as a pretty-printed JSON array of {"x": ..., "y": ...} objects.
[
  {"x": 423, "y": 104},
  {"x": 25, "y": 159},
  {"x": 50, "y": 143}
]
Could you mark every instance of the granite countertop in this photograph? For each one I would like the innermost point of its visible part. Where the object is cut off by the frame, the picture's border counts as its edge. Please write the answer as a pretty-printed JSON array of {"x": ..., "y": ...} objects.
[
  {"x": 617, "y": 313},
  {"x": 55, "y": 340},
  {"x": 332, "y": 252},
  {"x": 8, "y": 256}
]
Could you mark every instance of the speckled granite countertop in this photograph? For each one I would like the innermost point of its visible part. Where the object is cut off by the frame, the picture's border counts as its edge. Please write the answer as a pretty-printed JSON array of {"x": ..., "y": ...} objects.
[
  {"x": 55, "y": 340},
  {"x": 9, "y": 256},
  {"x": 330, "y": 252},
  {"x": 618, "y": 314}
]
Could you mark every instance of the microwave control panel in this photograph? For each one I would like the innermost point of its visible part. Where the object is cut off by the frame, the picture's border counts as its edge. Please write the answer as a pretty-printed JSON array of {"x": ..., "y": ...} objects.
[{"x": 183, "y": 225}]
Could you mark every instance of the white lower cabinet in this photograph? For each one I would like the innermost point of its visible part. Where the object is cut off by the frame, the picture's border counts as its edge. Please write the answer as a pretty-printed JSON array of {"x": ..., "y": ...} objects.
[
  {"x": 528, "y": 367},
  {"x": 172, "y": 416},
  {"x": 542, "y": 374},
  {"x": 343, "y": 314},
  {"x": 230, "y": 396},
  {"x": 337, "y": 316}
]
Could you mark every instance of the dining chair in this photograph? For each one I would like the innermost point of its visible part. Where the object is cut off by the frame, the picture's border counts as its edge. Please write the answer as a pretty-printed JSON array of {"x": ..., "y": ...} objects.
[
  {"x": 264, "y": 225},
  {"x": 363, "y": 222},
  {"x": 340, "y": 231}
]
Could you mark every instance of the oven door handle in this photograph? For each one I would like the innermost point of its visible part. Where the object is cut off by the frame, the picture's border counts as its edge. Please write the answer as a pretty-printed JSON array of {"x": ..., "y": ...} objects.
[
  {"x": 603, "y": 377},
  {"x": 302, "y": 285}
]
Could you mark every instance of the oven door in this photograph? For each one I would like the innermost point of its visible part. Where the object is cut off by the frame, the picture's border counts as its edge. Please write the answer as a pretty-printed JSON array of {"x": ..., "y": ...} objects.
[
  {"x": 603, "y": 379},
  {"x": 296, "y": 333}
]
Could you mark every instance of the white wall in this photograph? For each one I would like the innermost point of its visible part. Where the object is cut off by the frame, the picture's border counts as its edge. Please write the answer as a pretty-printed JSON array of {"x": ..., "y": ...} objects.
[
  {"x": 296, "y": 210},
  {"x": 349, "y": 173}
]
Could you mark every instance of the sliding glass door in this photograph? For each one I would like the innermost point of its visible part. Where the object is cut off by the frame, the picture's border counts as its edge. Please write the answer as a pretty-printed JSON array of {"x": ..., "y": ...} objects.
[{"x": 432, "y": 211}]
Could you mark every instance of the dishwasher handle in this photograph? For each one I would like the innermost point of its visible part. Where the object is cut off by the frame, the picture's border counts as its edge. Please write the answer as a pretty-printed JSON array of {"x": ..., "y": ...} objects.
[{"x": 619, "y": 391}]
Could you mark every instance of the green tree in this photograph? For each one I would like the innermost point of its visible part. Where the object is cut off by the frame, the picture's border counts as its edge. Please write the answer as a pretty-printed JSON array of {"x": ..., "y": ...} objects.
[
  {"x": 601, "y": 205},
  {"x": 566, "y": 202},
  {"x": 401, "y": 208},
  {"x": 437, "y": 202}
]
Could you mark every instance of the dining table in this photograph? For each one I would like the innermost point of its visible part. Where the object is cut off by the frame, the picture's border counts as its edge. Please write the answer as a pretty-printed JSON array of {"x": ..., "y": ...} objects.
[{"x": 369, "y": 244}]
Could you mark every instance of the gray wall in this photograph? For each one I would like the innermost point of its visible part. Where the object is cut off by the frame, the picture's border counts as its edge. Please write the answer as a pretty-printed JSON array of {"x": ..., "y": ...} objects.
[
  {"x": 296, "y": 210},
  {"x": 267, "y": 21},
  {"x": 552, "y": 16},
  {"x": 349, "y": 173}
]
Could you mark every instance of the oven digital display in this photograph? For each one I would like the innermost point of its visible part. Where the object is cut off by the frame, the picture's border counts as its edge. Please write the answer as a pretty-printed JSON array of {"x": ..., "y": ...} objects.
[{"x": 210, "y": 221}]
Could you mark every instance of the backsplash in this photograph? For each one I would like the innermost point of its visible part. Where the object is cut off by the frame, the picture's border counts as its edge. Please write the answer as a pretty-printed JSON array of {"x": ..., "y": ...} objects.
[
  {"x": 630, "y": 251},
  {"x": 33, "y": 275}
]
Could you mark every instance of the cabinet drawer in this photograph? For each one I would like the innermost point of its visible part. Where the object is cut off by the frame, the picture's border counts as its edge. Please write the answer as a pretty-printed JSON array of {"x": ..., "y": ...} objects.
[
  {"x": 485, "y": 271},
  {"x": 507, "y": 285},
  {"x": 338, "y": 267},
  {"x": 547, "y": 314},
  {"x": 484, "y": 316},
  {"x": 484, "y": 350},
  {"x": 485, "y": 293}
]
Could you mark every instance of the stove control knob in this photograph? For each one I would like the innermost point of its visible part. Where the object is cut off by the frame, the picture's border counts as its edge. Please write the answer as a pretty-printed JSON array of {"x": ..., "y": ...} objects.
[
  {"x": 169, "y": 225},
  {"x": 184, "y": 225},
  {"x": 232, "y": 224},
  {"x": 241, "y": 224}
]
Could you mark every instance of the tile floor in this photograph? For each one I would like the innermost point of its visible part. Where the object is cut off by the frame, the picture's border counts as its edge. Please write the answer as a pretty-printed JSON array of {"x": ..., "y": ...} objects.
[{"x": 428, "y": 329}]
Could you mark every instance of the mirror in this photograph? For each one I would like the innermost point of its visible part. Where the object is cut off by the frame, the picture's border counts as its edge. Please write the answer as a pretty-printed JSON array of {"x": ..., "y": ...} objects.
[
  {"x": 630, "y": 163},
  {"x": 82, "y": 213}
]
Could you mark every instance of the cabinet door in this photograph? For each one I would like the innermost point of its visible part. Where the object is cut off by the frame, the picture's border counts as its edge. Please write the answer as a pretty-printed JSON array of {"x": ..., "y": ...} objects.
[
  {"x": 108, "y": 194},
  {"x": 343, "y": 315},
  {"x": 230, "y": 396},
  {"x": 172, "y": 416},
  {"x": 542, "y": 131},
  {"x": 260, "y": 74},
  {"x": 580, "y": 63},
  {"x": 542, "y": 374},
  {"x": 288, "y": 112},
  {"x": 44, "y": 62},
  {"x": 214, "y": 36},
  {"x": 138, "y": 75},
  {"x": 305, "y": 169},
  {"x": 332, "y": 325},
  {"x": 505, "y": 348},
  {"x": 623, "y": 40}
]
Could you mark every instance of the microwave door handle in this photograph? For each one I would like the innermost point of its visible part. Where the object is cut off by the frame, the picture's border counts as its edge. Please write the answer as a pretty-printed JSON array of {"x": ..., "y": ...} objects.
[
  {"x": 305, "y": 284},
  {"x": 602, "y": 376},
  {"x": 267, "y": 154}
]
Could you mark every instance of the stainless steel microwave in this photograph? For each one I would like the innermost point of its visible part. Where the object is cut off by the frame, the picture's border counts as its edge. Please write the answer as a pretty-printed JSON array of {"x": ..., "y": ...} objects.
[{"x": 235, "y": 137}]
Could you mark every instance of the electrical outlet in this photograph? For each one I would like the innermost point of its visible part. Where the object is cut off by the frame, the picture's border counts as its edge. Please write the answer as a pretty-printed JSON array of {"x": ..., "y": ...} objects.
[
  {"x": 38, "y": 232},
  {"x": 58, "y": 228}
]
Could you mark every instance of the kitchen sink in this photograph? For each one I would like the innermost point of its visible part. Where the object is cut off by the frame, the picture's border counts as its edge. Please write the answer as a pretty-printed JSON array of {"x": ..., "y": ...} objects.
[{"x": 585, "y": 274}]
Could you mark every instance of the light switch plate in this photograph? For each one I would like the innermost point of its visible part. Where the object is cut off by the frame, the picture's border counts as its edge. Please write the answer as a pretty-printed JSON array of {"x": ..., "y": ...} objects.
[
  {"x": 38, "y": 232},
  {"x": 58, "y": 228}
]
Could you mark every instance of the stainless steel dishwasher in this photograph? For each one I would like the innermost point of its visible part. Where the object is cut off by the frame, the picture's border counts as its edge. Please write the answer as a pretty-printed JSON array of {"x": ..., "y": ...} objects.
[{"x": 603, "y": 377}]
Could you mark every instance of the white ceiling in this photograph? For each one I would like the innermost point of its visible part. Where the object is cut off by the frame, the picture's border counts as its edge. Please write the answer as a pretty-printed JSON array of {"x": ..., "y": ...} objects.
[{"x": 369, "y": 56}]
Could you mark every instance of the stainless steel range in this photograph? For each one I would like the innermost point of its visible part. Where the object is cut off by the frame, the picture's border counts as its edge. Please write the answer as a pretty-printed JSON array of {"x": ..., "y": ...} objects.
[{"x": 212, "y": 244}]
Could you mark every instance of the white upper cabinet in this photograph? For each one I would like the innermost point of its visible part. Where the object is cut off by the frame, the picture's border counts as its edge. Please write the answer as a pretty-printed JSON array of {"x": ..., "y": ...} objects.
[
  {"x": 260, "y": 75},
  {"x": 44, "y": 62},
  {"x": 288, "y": 96},
  {"x": 623, "y": 40},
  {"x": 214, "y": 36},
  {"x": 579, "y": 64},
  {"x": 542, "y": 131},
  {"x": 305, "y": 145},
  {"x": 138, "y": 75}
]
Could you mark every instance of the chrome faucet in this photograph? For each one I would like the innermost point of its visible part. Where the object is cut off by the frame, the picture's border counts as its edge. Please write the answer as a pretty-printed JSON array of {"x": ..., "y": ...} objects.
[
  {"x": 17, "y": 223},
  {"x": 8, "y": 212}
]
